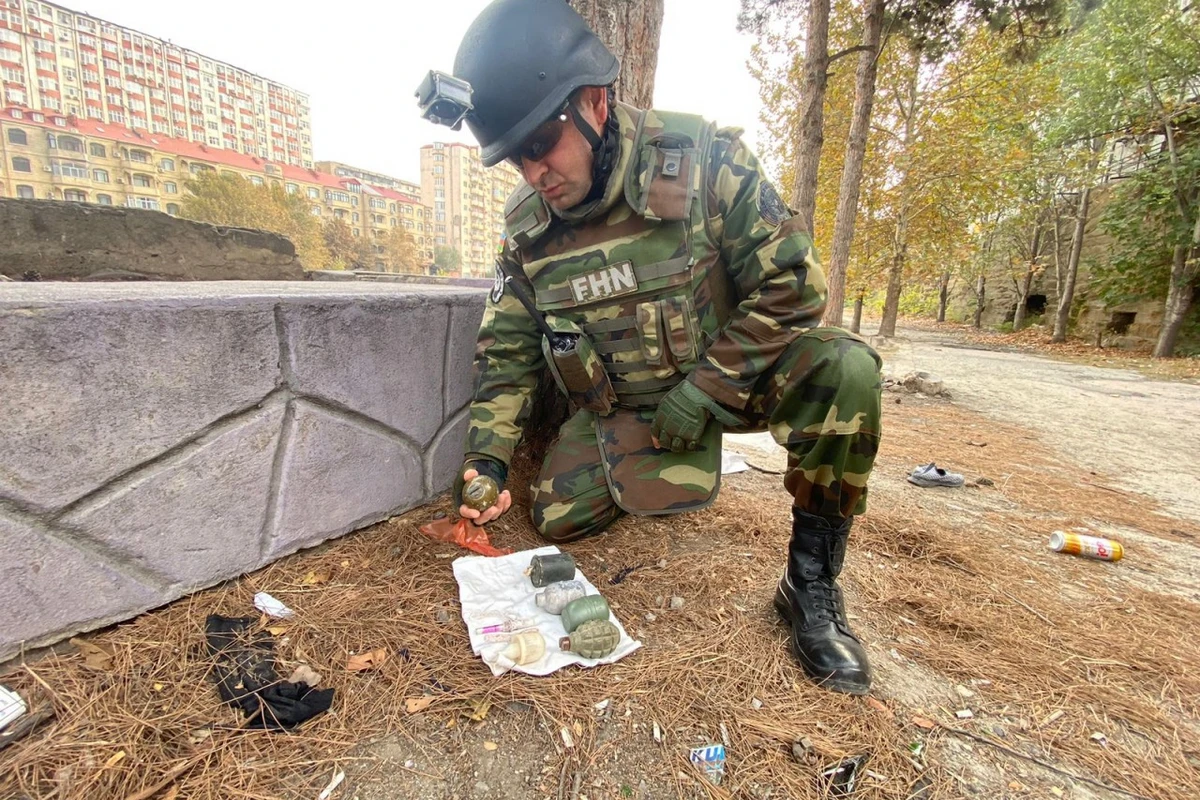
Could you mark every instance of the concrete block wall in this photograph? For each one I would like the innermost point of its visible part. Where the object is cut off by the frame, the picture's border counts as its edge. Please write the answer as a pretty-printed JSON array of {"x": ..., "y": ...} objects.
[{"x": 157, "y": 438}]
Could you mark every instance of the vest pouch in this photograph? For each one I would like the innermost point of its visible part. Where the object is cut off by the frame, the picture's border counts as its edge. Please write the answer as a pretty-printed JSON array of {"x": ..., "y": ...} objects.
[
  {"x": 653, "y": 342},
  {"x": 680, "y": 329},
  {"x": 578, "y": 371}
]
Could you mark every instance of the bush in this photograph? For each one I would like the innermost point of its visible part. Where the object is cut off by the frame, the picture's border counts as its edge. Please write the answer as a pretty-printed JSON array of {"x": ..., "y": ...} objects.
[{"x": 1005, "y": 327}]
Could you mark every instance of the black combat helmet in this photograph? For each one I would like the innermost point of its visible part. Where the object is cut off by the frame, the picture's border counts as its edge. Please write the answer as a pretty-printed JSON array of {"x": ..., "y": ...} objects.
[{"x": 523, "y": 59}]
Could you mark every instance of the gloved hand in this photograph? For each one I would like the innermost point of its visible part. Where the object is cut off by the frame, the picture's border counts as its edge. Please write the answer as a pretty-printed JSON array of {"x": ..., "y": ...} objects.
[
  {"x": 494, "y": 470},
  {"x": 683, "y": 415}
]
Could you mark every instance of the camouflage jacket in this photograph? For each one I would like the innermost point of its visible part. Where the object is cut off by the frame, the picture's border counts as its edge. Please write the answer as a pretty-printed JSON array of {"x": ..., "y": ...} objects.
[{"x": 689, "y": 266}]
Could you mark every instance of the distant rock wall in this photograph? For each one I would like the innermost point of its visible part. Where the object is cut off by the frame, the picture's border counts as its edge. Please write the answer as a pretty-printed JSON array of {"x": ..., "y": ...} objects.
[{"x": 85, "y": 242}]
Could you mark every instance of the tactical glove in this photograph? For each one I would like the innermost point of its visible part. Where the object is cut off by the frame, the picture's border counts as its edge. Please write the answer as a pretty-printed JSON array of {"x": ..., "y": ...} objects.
[{"x": 683, "y": 415}]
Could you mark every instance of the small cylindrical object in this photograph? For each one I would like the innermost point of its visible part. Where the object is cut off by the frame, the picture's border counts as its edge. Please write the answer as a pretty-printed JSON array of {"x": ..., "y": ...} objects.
[
  {"x": 557, "y": 595},
  {"x": 480, "y": 493},
  {"x": 507, "y": 626},
  {"x": 1089, "y": 546},
  {"x": 585, "y": 609},
  {"x": 594, "y": 639},
  {"x": 545, "y": 570}
]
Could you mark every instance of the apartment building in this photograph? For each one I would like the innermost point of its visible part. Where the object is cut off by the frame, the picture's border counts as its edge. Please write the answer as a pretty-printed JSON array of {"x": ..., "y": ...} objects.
[
  {"x": 343, "y": 170},
  {"x": 467, "y": 200},
  {"x": 44, "y": 155},
  {"x": 57, "y": 61}
]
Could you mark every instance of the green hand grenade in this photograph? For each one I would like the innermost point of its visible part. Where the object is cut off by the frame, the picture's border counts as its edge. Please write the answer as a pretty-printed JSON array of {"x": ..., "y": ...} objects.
[
  {"x": 594, "y": 639},
  {"x": 480, "y": 493},
  {"x": 583, "y": 610}
]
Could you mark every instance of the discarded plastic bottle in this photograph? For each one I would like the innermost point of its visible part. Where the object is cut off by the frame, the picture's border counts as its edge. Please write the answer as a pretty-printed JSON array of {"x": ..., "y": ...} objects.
[
  {"x": 545, "y": 570},
  {"x": 557, "y": 595},
  {"x": 1077, "y": 544},
  {"x": 585, "y": 609}
]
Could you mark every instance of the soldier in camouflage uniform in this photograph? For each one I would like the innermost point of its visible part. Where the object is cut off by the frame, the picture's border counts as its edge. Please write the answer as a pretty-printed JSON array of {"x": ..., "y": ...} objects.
[{"x": 685, "y": 300}]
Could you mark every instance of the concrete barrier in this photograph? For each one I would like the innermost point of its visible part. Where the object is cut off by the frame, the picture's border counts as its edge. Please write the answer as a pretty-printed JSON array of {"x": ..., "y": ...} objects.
[{"x": 157, "y": 438}]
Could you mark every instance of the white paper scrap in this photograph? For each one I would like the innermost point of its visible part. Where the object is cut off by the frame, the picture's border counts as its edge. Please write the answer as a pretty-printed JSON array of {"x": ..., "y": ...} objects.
[
  {"x": 271, "y": 607},
  {"x": 12, "y": 707}
]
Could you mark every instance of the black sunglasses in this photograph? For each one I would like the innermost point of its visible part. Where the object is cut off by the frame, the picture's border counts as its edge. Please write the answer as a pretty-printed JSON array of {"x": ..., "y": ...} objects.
[{"x": 539, "y": 143}]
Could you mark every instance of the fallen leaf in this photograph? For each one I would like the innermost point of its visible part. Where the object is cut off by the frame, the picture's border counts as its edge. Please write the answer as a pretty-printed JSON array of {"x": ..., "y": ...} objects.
[
  {"x": 95, "y": 656},
  {"x": 879, "y": 706},
  {"x": 479, "y": 709},
  {"x": 924, "y": 722},
  {"x": 277, "y": 630},
  {"x": 158, "y": 687},
  {"x": 345, "y": 563},
  {"x": 415, "y": 704},
  {"x": 578, "y": 728},
  {"x": 368, "y": 660},
  {"x": 306, "y": 675},
  {"x": 490, "y": 745},
  {"x": 113, "y": 759},
  {"x": 316, "y": 577},
  {"x": 200, "y": 735}
]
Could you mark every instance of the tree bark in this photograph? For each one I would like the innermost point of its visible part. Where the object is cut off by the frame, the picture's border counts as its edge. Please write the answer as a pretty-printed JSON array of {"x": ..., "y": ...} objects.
[
  {"x": 1062, "y": 317},
  {"x": 811, "y": 136},
  {"x": 1023, "y": 298},
  {"x": 943, "y": 297},
  {"x": 980, "y": 295},
  {"x": 852, "y": 167},
  {"x": 891, "y": 303},
  {"x": 1179, "y": 294},
  {"x": 856, "y": 322},
  {"x": 631, "y": 29}
]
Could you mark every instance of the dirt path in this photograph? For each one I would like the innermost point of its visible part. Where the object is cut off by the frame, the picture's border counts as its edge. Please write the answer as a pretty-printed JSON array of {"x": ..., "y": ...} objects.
[{"x": 1144, "y": 432}]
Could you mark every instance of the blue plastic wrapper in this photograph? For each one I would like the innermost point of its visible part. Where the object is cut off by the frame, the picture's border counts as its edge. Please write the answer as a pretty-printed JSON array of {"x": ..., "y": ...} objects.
[{"x": 711, "y": 759}]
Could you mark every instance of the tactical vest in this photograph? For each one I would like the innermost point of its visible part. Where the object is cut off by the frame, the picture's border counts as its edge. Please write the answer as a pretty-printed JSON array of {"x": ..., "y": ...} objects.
[
  {"x": 645, "y": 283},
  {"x": 639, "y": 279}
]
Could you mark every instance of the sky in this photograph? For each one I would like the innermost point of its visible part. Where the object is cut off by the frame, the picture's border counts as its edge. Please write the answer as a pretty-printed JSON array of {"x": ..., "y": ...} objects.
[{"x": 345, "y": 55}]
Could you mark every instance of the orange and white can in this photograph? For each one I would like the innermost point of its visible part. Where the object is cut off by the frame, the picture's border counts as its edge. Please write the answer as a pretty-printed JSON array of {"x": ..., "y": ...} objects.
[{"x": 1088, "y": 546}]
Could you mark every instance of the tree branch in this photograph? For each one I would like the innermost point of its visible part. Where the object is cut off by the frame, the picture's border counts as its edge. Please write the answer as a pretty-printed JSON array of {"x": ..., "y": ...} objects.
[{"x": 858, "y": 48}]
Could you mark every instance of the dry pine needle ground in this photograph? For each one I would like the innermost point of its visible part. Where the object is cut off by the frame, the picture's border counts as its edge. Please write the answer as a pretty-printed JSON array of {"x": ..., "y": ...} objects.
[{"x": 984, "y": 606}]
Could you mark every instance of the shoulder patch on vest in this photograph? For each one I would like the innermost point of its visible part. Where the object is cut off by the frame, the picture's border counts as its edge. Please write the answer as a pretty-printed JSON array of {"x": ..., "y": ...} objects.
[
  {"x": 770, "y": 204},
  {"x": 498, "y": 286}
]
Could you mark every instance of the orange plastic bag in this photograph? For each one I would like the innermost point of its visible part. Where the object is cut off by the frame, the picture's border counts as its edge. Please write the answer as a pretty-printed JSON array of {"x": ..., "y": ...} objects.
[{"x": 464, "y": 534}]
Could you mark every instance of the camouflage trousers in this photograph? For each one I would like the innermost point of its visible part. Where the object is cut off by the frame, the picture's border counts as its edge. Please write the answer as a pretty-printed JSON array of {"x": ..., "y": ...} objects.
[{"x": 820, "y": 400}]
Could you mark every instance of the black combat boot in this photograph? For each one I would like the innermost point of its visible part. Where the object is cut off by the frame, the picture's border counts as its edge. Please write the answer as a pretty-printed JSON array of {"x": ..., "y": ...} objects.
[{"x": 809, "y": 599}]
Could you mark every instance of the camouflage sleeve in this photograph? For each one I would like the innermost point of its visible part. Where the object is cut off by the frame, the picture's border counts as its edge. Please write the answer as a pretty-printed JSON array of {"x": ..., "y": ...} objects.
[
  {"x": 774, "y": 269},
  {"x": 508, "y": 360}
]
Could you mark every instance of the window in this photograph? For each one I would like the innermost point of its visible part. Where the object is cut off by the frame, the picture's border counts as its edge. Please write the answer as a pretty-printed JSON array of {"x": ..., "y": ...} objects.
[
  {"x": 257, "y": 181},
  {"x": 25, "y": 192},
  {"x": 70, "y": 144},
  {"x": 148, "y": 203},
  {"x": 104, "y": 199},
  {"x": 140, "y": 156},
  {"x": 291, "y": 188},
  {"x": 141, "y": 180},
  {"x": 96, "y": 149},
  {"x": 74, "y": 196},
  {"x": 100, "y": 175},
  {"x": 168, "y": 164},
  {"x": 313, "y": 193},
  {"x": 170, "y": 187},
  {"x": 17, "y": 136},
  {"x": 21, "y": 165},
  {"x": 68, "y": 170},
  {"x": 173, "y": 209}
]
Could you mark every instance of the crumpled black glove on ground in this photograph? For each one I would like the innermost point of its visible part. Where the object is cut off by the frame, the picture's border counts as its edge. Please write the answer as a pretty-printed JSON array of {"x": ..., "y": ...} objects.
[{"x": 246, "y": 677}]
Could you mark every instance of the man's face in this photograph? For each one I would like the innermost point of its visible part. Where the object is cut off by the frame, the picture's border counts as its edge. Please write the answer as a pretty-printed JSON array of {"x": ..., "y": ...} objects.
[{"x": 562, "y": 171}]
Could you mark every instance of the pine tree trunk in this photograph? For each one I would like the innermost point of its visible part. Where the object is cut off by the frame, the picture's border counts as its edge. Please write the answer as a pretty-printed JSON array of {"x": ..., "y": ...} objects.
[
  {"x": 631, "y": 29},
  {"x": 856, "y": 322},
  {"x": 943, "y": 297},
  {"x": 980, "y": 295},
  {"x": 1023, "y": 298},
  {"x": 1179, "y": 297},
  {"x": 811, "y": 136},
  {"x": 891, "y": 303},
  {"x": 1062, "y": 317},
  {"x": 852, "y": 167}
]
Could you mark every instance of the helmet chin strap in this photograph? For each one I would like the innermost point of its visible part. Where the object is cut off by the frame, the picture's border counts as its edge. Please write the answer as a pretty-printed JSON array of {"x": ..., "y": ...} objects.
[{"x": 604, "y": 148}]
